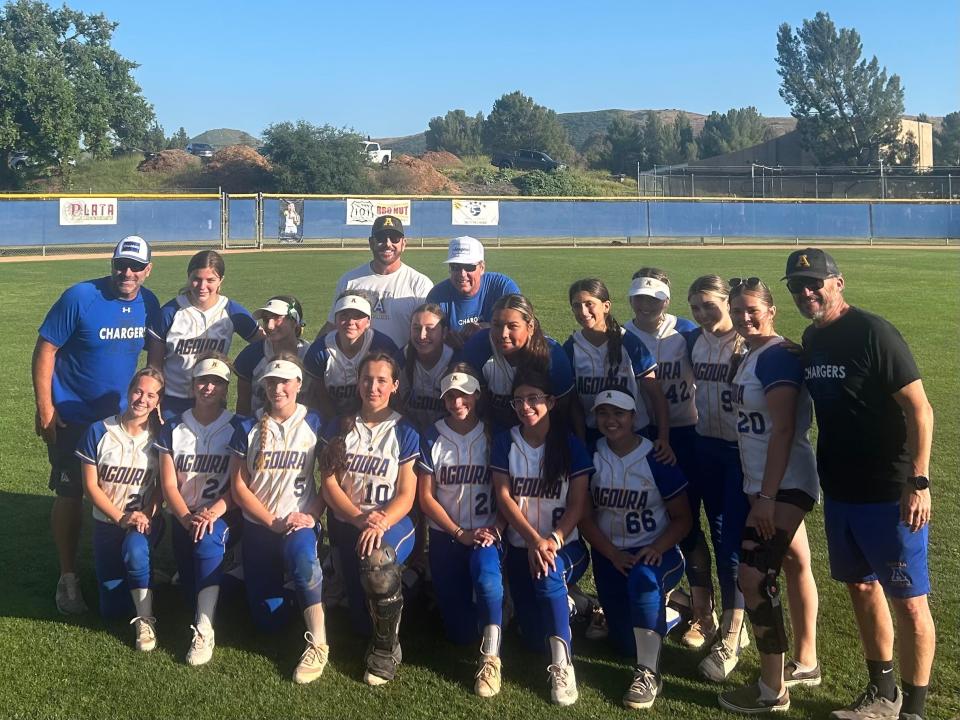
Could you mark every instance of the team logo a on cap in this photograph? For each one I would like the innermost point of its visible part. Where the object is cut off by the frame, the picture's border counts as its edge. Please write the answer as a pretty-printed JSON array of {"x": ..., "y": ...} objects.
[
  {"x": 353, "y": 302},
  {"x": 463, "y": 382},
  {"x": 616, "y": 398},
  {"x": 802, "y": 262}
]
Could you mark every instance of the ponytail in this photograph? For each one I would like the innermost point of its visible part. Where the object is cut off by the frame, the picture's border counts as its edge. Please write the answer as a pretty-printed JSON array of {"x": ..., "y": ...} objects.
[
  {"x": 595, "y": 287},
  {"x": 263, "y": 424}
]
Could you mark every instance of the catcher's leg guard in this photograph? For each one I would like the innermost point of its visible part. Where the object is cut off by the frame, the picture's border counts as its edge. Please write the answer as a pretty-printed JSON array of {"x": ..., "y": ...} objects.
[
  {"x": 380, "y": 576},
  {"x": 766, "y": 556}
]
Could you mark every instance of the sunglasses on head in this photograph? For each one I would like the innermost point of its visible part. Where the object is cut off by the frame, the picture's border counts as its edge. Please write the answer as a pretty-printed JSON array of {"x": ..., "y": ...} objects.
[
  {"x": 457, "y": 267},
  {"x": 798, "y": 284},
  {"x": 122, "y": 265},
  {"x": 749, "y": 282}
]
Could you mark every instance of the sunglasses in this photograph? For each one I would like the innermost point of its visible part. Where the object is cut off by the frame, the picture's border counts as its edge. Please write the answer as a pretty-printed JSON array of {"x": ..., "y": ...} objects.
[
  {"x": 749, "y": 282},
  {"x": 457, "y": 267},
  {"x": 518, "y": 402},
  {"x": 124, "y": 265},
  {"x": 385, "y": 238},
  {"x": 798, "y": 284}
]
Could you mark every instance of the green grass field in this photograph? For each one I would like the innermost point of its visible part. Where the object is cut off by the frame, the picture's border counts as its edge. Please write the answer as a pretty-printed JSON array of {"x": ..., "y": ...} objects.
[{"x": 66, "y": 668}]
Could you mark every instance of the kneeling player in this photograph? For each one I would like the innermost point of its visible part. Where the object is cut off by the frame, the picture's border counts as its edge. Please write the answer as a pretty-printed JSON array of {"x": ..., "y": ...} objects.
[
  {"x": 370, "y": 484},
  {"x": 640, "y": 513}
]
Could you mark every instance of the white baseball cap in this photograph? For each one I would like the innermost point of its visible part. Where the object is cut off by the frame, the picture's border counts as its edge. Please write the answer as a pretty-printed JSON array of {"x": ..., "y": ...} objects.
[
  {"x": 133, "y": 247},
  {"x": 283, "y": 369},
  {"x": 617, "y": 398},
  {"x": 649, "y": 286},
  {"x": 463, "y": 382},
  {"x": 212, "y": 366},
  {"x": 464, "y": 250},
  {"x": 353, "y": 302},
  {"x": 276, "y": 306}
]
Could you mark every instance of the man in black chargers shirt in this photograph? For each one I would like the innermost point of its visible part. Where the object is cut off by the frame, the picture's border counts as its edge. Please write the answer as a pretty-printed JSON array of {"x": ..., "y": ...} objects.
[{"x": 873, "y": 457}]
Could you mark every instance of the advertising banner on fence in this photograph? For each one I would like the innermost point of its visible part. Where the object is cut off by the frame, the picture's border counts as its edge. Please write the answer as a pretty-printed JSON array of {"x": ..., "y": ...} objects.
[
  {"x": 291, "y": 221},
  {"x": 475, "y": 212},
  {"x": 88, "y": 211},
  {"x": 361, "y": 211}
]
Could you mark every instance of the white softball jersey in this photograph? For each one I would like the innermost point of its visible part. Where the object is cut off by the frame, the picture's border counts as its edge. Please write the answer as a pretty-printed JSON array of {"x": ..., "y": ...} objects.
[
  {"x": 251, "y": 362},
  {"x": 712, "y": 356},
  {"x": 201, "y": 456},
  {"x": 541, "y": 501},
  {"x": 374, "y": 457},
  {"x": 629, "y": 494},
  {"x": 762, "y": 370},
  {"x": 188, "y": 332},
  {"x": 126, "y": 464},
  {"x": 285, "y": 482},
  {"x": 461, "y": 474},
  {"x": 422, "y": 404},
  {"x": 674, "y": 371}
]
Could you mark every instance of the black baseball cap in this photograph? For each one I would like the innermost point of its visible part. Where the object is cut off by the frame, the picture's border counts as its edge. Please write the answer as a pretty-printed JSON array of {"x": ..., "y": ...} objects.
[
  {"x": 385, "y": 224},
  {"x": 811, "y": 262}
]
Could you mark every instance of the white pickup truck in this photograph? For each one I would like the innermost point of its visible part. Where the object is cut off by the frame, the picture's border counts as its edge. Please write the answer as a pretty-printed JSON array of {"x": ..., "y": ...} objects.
[{"x": 375, "y": 154}]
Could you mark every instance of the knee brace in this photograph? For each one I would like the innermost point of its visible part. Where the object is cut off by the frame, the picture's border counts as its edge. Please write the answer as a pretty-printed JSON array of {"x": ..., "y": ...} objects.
[
  {"x": 767, "y": 618},
  {"x": 381, "y": 578}
]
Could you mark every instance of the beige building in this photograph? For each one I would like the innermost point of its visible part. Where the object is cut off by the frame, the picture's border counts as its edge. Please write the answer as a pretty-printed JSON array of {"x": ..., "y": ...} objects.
[{"x": 923, "y": 137}]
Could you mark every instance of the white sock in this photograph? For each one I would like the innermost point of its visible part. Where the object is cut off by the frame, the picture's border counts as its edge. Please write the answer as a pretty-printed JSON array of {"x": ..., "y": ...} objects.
[
  {"x": 490, "y": 645},
  {"x": 804, "y": 668},
  {"x": 731, "y": 623},
  {"x": 648, "y": 647},
  {"x": 143, "y": 601},
  {"x": 68, "y": 576},
  {"x": 559, "y": 651},
  {"x": 206, "y": 606},
  {"x": 766, "y": 693},
  {"x": 314, "y": 618}
]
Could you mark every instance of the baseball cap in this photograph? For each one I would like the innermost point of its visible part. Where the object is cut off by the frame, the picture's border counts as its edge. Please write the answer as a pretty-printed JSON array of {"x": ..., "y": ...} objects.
[
  {"x": 811, "y": 262},
  {"x": 353, "y": 302},
  {"x": 283, "y": 369},
  {"x": 459, "y": 381},
  {"x": 617, "y": 398},
  {"x": 276, "y": 306},
  {"x": 387, "y": 223},
  {"x": 464, "y": 250},
  {"x": 133, "y": 247},
  {"x": 649, "y": 286},
  {"x": 212, "y": 366}
]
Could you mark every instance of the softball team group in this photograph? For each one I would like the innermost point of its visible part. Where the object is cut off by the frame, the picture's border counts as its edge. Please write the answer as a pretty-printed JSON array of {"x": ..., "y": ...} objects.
[{"x": 523, "y": 458}]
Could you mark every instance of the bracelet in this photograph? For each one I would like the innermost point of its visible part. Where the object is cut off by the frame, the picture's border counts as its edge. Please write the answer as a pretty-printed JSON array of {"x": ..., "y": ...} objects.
[
  {"x": 499, "y": 534},
  {"x": 458, "y": 532},
  {"x": 556, "y": 538},
  {"x": 765, "y": 497}
]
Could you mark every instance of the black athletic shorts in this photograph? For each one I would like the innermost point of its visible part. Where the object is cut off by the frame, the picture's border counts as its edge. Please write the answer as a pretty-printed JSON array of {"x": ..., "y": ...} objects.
[{"x": 65, "y": 477}]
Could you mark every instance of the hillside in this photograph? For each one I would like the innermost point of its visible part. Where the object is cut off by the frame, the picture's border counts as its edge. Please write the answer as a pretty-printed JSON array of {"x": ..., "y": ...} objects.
[
  {"x": 222, "y": 137},
  {"x": 581, "y": 125}
]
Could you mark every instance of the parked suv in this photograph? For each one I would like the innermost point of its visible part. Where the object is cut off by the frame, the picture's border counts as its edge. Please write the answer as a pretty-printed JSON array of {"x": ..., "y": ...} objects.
[
  {"x": 525, "y": 160},
  {"x": 200, "y": 149}
]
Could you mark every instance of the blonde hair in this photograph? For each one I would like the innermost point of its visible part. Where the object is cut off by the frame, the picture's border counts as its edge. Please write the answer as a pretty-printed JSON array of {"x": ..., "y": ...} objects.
[
  {"x": 154, "y": 420},
  {"x": 264, "y": 422}
]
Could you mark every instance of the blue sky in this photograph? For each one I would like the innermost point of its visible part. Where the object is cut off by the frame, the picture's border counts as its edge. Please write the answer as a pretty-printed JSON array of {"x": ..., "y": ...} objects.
[{"x": 385, "y": 69}]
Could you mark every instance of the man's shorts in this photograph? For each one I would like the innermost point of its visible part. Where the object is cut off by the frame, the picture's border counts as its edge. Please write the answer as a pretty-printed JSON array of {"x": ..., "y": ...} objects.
[
  {"x": 65, "y": 477},
  {"x": 867, "y": 542}
]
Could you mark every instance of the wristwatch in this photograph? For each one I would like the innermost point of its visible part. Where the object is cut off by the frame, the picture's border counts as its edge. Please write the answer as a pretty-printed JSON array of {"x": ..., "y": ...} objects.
[{"x": 919, "y": 482}]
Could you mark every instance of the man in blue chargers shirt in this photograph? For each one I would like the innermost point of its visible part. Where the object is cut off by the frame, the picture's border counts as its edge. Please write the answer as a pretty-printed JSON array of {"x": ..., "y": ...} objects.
[
  {"x": 467, "y": 297},
  {"x": 87, "y": 350}
]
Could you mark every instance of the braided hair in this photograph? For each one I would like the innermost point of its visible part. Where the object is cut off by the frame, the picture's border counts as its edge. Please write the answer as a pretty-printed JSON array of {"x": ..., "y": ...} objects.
[{"x": 263, "y": 424}]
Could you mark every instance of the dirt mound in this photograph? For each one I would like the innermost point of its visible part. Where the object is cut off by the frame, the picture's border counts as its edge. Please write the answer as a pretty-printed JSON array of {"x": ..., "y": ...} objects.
[
  {"x": 417, "y": 177},
  {"x": 441, "y": 159},
  {"x": 169, "y": 162},
  {"x": 239, "y": 168}
]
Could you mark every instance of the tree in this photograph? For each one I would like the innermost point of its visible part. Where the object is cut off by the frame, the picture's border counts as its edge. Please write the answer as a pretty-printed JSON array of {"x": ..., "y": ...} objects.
[
  {"x": 653, "y": 137},
  {"x": 625, "y": 142},
  {"x": 179, "y": 140},
  {"x": 456, "y": 132},
  {"x": 731, "y": 131},
  {"x": 946, "y": 141},
  {"x": 154, "y": 140},
  {"x": 847, "y": 109},
  {"x": 315, "y": 159},
  {"x": 60, "y": 82},
  {"x": 681, "y": 147},
  {"x": 517, "y": 122}
]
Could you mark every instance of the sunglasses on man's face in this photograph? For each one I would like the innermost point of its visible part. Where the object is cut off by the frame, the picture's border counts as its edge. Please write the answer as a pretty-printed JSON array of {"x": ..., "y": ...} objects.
[
  {"x": 132, "y": 265},
  {"x": 457, "y": 267},
  {"x": 798, "y": 284},
  {"x": 385, "y": 238}
]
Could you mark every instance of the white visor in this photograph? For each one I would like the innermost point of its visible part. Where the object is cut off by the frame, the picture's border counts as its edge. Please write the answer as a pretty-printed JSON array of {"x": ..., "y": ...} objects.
[
  {"x": 212, "y": 366},
  {"x": 617, "y": 398},
  {"x": 283, "y": 369},
  {"x": 278, "y": 307},
  {"x": 353, "y": 302},
  {"x": 459, "y": 381},
  {"x": 651, "y": 287}
]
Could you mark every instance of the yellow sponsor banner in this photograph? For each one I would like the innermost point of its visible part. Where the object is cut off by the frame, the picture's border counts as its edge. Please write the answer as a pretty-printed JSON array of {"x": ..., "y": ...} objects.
[
  {"x": 88, "y": 211},
  {"x": 363, "y": 211}
]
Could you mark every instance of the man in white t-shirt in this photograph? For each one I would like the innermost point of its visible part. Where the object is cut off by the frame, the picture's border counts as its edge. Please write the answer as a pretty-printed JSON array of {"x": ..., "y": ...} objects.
[{"x": 393, "y": 289}]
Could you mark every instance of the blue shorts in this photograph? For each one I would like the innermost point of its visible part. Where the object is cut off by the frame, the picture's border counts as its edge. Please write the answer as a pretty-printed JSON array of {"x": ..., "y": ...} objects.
[{"x": 868, "y": 543}]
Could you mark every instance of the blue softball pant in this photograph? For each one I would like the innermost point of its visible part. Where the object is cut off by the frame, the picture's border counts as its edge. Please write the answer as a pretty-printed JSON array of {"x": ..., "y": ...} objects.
[
  {"x": 400, "y": 537},
  {"x": 200, "y": 564},
  {"x": 266, "y": 557},
  {"x": 541, "y": 604},
  {"x": 638, "y": 599},
  {"x": 468, "y": 585},
  {"x": 121, "y": 560}
]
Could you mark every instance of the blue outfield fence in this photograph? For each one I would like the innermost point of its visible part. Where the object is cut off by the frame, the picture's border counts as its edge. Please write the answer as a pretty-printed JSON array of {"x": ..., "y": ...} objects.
[{"x": 254, "y": 220}]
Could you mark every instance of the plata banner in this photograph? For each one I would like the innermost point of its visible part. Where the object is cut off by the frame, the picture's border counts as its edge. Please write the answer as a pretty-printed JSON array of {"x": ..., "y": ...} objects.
[
  {"x": 88, "y": 211},
  {"x": 475, "y": 212},
  {"x": 291, "y": 221},
  {"x": 362, "y": 211}
]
